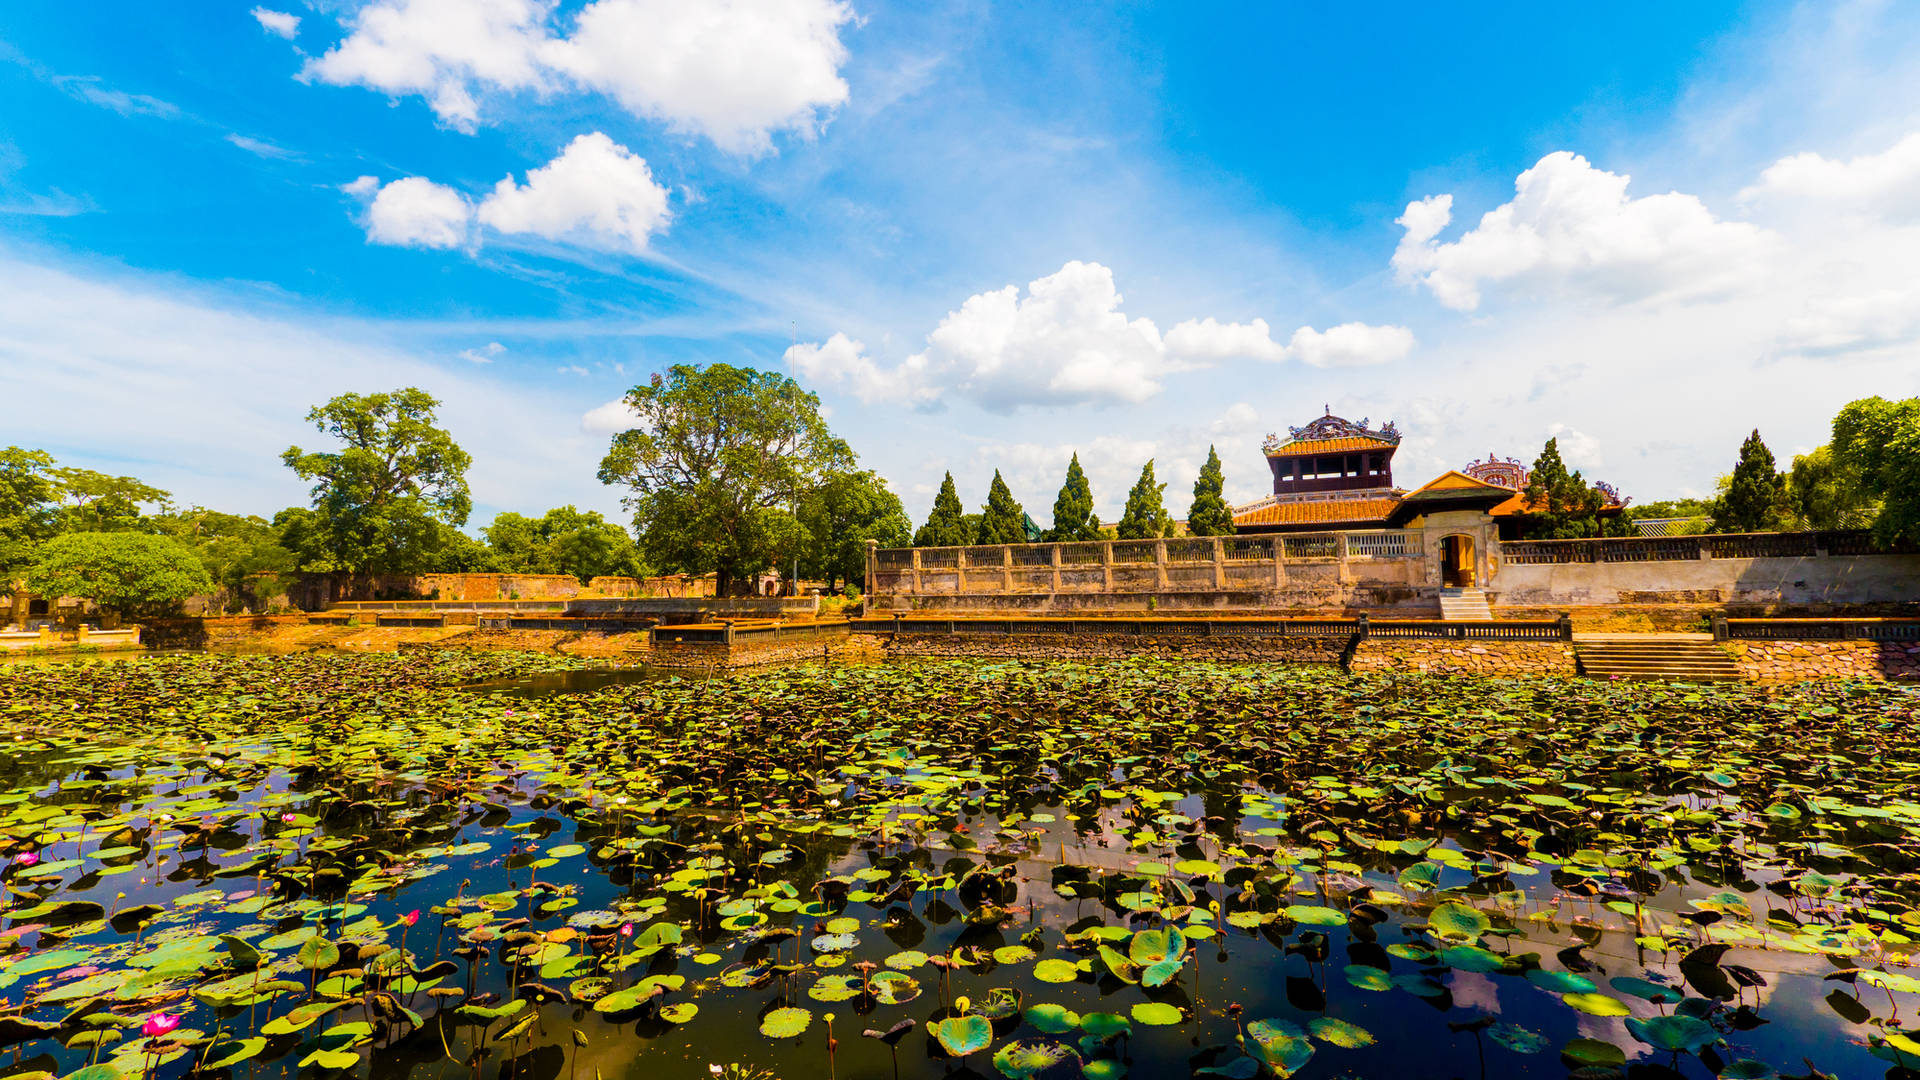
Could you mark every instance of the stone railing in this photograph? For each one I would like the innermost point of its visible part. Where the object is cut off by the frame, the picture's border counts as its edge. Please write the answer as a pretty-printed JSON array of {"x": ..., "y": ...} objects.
[
  {"x": 1361, "y": 627},
  {"x": 1683, "y": 548},
  {"x": 1815, "y": 629},
  {"x": 1176, "y": 564}
]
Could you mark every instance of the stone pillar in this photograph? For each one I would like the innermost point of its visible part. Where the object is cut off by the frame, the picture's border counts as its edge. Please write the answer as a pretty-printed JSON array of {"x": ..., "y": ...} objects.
[
  {"x": 21, "y": 602},
  {"x": 1160, "y": 565},
  {"x": 1106, "y": 565},
  {"x": 1053, "y": 560},
  {"x": 917, "y": 590},
  {"x": 1219, "y": 564},
  {"x": 1006, "y": 568},
  {"x": 873, "y": 547},
  {"x": 80, "y": 633}
]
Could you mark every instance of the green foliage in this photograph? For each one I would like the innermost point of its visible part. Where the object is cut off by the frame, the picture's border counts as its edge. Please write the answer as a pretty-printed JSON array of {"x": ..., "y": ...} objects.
[
  {"x": 1562, "y": 505},
  {"x": 716, "y": 460},
  {"x": 1756, "y": 495},
  {"x": 846, "y": 510},
  {"x": 1878, "y": 442},
  {"x": 1824, "y": 496},
  {"x": 383, "y": 502},
  {"x": 1145, "y": 516},
  {"x": 96, "y": 502},
  {"x": 1073, "y": 516},
  {"x": 129, "y": 574},
  {"x": 563, "y": 541},
  {"x": 27, "y": 514},
  {"x": 1209, "y": 515},
  {"x": 1002, "y": 521},
  {"x": 946, "y": 524},
  {"x": 242, "y": 555},
  {"x": 1670, "y": 508}
]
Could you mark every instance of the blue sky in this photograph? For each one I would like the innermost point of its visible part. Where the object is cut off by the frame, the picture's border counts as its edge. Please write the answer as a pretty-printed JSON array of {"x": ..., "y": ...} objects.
[{"x": 988, "y": 235}]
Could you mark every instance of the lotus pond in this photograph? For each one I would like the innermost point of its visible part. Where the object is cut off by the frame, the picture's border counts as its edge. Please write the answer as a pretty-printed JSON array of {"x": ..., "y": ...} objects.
[{"x": 402, "y": 866}]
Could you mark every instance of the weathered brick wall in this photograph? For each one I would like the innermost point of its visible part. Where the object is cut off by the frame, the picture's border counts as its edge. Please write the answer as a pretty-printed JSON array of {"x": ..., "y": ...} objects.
[
  {"x": 224, "y": 631},
  {"x": 1292, "y": 650},
  {"x": 1793, "y": 661},
  {"x": 1436, "y": 656}
]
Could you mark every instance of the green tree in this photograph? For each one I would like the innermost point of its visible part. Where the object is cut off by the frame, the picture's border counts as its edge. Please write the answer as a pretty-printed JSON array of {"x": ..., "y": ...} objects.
[
  {"x": 129, "y": 575},
  {"x": 1073, "y": 516},
  {"x": 1560, "y": 505},
  {"x": 27, "y": 512},
  {"x": 840, "y": 515},
  {"x": 717, "y": 460},
  {"x": 383, "y": 502},
  {"x": 1146, "y": 514},
  {"x": 946, "y": 524},
  {"x": 1002, "y": 521},
  {"x": 97, "y": 502},
  {"x": 242, "y": 555},
  {"x": 1756, "y": 496},
  {"x": 1878, "y": 442},
  {"x": 1209, "y": 515},
  {"x": 563, "y": 541},
  {"x": 1823, "y": 495}
]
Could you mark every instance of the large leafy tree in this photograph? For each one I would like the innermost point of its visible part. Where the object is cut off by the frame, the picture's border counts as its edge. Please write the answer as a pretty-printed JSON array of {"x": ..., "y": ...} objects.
[
  {"x": 716, "y": 460},
  {"x": 1073, "y": 516},
  {"x": 840, "y": 515},
  {"x": 1825, "y": 496},
  {"x": 563, "y": 541},
  {"x": 391, "y": 498},
  {"x": 1146, "y": 514},
  {"x": 127, "y": 574},
  {"x": 27, "y": 510},
  {"x": 946, "y": 524},
  {"x": 1209, "y": 515},
  {"x": 1002, "y": 521},
  {"x": 1561, "y": 504},
  {"x": 241, "y": 554},
  {"x": 1756, "y": 495},
  {"x": 1878, "y": 442},
  {"x": 97, "y": 502}
]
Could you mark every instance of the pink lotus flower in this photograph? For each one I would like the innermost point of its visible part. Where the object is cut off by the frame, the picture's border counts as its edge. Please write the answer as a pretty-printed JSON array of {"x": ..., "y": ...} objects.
[
  {"x": 159, "y": 1024},
  {"x": 411, "y": 917},
  {"x": 26, "y": 858},
  {"x": 286, "y": 819},
  {"x": 626, "y": 929}
]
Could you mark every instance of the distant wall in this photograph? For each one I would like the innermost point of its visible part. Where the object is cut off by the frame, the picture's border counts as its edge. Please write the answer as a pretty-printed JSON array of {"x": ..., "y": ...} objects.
[
  {"x": 1801, "y": 581},
  {"x": 315, "y": 592}
]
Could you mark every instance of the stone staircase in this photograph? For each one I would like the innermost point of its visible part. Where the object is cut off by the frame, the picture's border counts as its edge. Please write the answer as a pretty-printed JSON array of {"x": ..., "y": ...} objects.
[
  {"x": 1464, "y": 605},
  {"x": 1654, "y": 657}
]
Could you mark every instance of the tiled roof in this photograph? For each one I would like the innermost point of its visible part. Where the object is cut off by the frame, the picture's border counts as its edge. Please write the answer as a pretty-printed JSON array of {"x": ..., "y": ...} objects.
[
  {"x": 1327, "y": 446},
  {"x": 1317, "y": 512},
  {"x": 1453, "y": 483}
]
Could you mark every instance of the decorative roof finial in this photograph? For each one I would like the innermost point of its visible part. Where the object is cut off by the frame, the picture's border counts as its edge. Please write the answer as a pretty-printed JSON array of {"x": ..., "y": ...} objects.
[{"x": 1329, "y": 408}]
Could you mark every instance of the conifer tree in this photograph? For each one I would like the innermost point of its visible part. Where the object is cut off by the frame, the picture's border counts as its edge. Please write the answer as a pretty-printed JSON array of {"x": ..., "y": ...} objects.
[
  {"x": 1146, "y": 515},
  {"x": 1002, "y": 521},
  {"x": 1073, "y": 516},
  {"x": 946, "y": 525},
  {"x": 1210, "y": 515},
  {"x": 1561, "y": 505},
  {"x": 1756, "y": 493}
]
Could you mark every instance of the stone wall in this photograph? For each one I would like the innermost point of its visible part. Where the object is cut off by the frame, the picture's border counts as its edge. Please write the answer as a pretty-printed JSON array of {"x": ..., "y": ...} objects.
[
  {"x": 1795, "y": 661},
  {"x": 1803, "y": 582},
  {"x": 1283, "y": 650},
  {"x": 1433, "y": 656}
]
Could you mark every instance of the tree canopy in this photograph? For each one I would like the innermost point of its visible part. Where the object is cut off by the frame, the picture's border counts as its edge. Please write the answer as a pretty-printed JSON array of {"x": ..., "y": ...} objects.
[
  {"x": 1825, "y": 496},
  {"x": 1561, "y": 505},
  {"x": 562, "y": 541},
  {"x": 946, "y": 524},
  {"x": 1073, "y": 516},
  {"x": 127, "y": 573},
  {"x": 1146, "y": 514},
  {"x": 1756, "y": 495},
  {"x": 840, "y": 515},
  {"x": 98, "y": 502},
  {"x": 241, "y": 554},
  {"x": 1002, "y": 521},
  {"x": 1210, "y": 515},
  {"x": 716, "y": 461},
  {"x": 27, "y": 514},
  {"x": 387, "y": 500},
  {"x": 1878, "y": 442}
]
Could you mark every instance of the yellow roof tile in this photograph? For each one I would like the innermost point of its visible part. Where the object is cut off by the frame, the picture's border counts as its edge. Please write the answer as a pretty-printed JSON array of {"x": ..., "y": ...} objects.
[
  {"x": 1317, "y": 512},
  {"x": 1327, "y": 446}
]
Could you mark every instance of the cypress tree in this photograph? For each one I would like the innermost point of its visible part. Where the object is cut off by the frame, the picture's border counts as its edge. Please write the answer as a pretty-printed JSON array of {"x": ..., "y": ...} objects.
[
  {"x": 1073, "y": 516},
  {"x": 1755, "y": 493},
  {"x": 1001, "y": 520},
  {"x": 1561, "y": 505},
  {"x": 1210, "y": 515},
  {"x": 1145, "y": 516},
  {"x": 946, "y": 524}
]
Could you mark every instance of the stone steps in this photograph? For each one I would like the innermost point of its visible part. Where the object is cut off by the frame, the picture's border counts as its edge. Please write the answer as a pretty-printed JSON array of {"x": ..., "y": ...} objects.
[
  {"x": 1464, "y": 605},
  {"x": 1661, "y": 660}
]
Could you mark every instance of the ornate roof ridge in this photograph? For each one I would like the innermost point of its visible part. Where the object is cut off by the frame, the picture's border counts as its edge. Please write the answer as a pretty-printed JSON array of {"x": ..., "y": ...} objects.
[{"x": 1334, "y": 427}]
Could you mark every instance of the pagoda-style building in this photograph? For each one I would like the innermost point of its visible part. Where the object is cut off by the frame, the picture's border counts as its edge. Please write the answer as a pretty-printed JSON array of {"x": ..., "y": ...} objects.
[{"x": 1330, "y": 474}]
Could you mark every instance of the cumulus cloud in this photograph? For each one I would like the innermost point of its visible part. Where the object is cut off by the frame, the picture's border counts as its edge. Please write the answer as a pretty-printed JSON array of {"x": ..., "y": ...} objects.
[
  {"x": 416, "y": 212},
  {"x": 1835, "y": 324},
  {"x": 484, "y": 354},
  {"x": 1885, "y": 185},
  {"x": 1066, "y": 341},
  {"x": 596, "y": 190},
  {"x": 1572, "y": 228},
  {"x": 1577, "y": 448},
  {"x": 277, "y": 22},
  {"x": 733, "y": 71},
  {"x": 611, "y": 418}
]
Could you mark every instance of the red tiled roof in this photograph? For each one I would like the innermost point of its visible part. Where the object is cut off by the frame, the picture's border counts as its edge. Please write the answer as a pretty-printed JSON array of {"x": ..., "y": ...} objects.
[
  {"x": 1317, "y": 512},
  {"x": 1327, "y": 446}
]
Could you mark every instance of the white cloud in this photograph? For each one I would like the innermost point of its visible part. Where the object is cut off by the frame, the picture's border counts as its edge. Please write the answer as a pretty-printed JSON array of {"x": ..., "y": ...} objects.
[
  {"x": 484, "y": 354},
  {"x": 611, "y": 418},
  {"x": 277, "y": 22},
  {"x": 416, "y": 212},
  {"x": 1577, "y": 448},
  {"x": 1885, "y": 185},
  {"x": 596, "y": 190},
  {"x": 1238, "y": 419},
  {"x": 734, "y": 71},
  {"x": 361, "y": 186},
  {"x": 261, "y": 147},
  {"x": 1068, "y": 342},
  {"x": 1836, "y": 324},
  {"x": 90, "y": 89},
  {"x": 1573, "y": 229},
  {"x": 1350, "y": 345}
]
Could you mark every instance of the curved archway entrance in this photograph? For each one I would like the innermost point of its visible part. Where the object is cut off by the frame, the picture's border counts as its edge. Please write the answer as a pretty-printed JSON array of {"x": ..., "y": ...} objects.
[{"x": 1456, "y": 561}]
